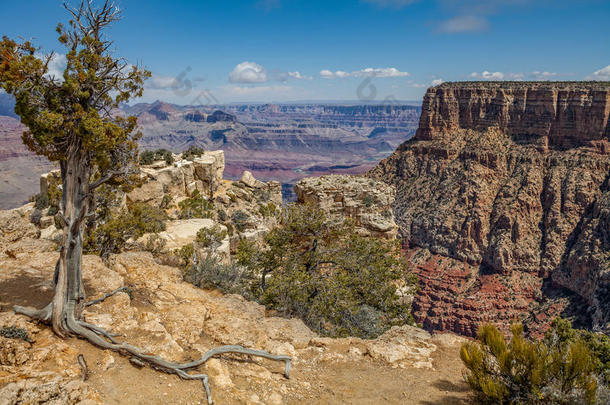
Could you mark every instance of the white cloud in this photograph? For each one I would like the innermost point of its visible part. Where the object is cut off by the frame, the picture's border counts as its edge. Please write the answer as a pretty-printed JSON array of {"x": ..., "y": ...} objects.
[
  {"x": 327, "y": 74},
  {"x": 464, "y": 23},
  {"x": 390, "y": 3},
  {"x": 486, "y": 75},
  {"x": 543, "y": 75},
  {"x": 248, "y": 72},
  {"x": 368, "y": 72},
  {"x": 536, "y": 75},
  {"x": 603, "y": 74},
  {"x": 285, "y": 76},
  {"x": 380, "y": 72},
  {"x": 436, "y": 82},
  {"x": 299, "y": 76},
  {"x": 56, "y": 66},
  {"x": 161, "y": 82}
]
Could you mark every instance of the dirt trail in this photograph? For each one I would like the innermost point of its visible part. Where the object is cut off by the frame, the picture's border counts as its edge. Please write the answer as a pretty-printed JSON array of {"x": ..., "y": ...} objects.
[{"x": 364, "y": 382}]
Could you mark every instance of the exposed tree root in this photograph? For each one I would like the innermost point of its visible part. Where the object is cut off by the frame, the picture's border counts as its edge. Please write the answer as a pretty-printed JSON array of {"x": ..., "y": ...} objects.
[
  {"x": 105, "y": 340},
  {"x": 83, "y": 365},
  {"x": 108, "y": 295}
]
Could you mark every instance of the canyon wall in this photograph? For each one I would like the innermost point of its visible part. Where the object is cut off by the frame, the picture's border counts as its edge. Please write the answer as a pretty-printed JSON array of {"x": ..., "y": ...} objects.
[
  {"x": 283, "y": 142},
  {"x": 19, "y": 168},
  {"x": 503, "y": 204},
  {"x": 563, "y": 115}
]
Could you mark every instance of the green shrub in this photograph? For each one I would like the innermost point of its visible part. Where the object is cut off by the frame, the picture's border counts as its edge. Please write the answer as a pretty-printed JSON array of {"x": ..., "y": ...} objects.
[
  {"x": 208, "y": 237},
  {"x": 240, "y": 220},
  {"x": 185, "y": 254},
  {"x": 230, "y": 279},
  {"x": 268, "y": 210},
  {"x": 155, "y": 245},
  {"x": 13, "y": 332},
  {"x": 368, "y": 200},
  {"x": 52, "y": 210},
  {"x": 196, "y": 206},
  {"x": 562, "y": 333},
  {"x": 338, "y": 282},
  {"x": 112, "y": 235},
  {"x": 36, "y": 216},
  {"x": 150, "y": 156},
  {"x": 530, "y": 372},
  {"x": 41, "y": 201},
  {"x": 192, "y": 153}
]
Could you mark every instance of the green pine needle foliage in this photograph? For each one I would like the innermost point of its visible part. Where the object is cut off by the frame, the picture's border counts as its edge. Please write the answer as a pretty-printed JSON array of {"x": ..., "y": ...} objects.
[
  {"x": 337, "y": 281},
  {"x": 560, "y": 369}
]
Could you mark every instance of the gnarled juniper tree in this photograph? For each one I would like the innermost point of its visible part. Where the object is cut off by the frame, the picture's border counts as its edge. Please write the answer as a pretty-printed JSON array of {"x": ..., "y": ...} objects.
[{"x": 70, "y": 120}]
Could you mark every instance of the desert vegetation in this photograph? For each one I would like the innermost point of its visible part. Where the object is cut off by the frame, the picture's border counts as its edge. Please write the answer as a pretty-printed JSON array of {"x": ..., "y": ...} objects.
[
  {"x": 567, "y": 366},
  {"x": 338, "y": 282},
  {"x": 192, "y": 152},
  {"x": 150, "y": 156},
  {"x": 111, "y": 234}
]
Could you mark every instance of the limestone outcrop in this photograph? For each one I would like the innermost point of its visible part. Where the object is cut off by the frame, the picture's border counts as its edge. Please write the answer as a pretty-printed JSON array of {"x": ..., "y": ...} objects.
[
  {"x": 364, "y": 200},
  {"x": 165, "y": 315},
  {"x": 181, "y": 179},
  {"x": 183, "y": 232},
  {"x": 502, "y": 199},
  {"x": 244, "y": 209}
]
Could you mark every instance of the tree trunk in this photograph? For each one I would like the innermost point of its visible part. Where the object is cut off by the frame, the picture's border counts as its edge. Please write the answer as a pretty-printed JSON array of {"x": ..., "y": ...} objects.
[{"x": 69, "y": 299}]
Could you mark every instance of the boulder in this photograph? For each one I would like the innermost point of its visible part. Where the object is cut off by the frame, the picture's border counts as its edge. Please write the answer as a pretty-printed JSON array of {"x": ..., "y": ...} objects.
[
  {"x": 150, "y": 192},
  {"x": 210, "y": 166},
  {"x": 172, "y": 179},
  {"x": 248, "y": 179},
  {"x": 366, "y": 201},
  {"x": 183, "y": 232},
  {"x": 275, "y": 192}
]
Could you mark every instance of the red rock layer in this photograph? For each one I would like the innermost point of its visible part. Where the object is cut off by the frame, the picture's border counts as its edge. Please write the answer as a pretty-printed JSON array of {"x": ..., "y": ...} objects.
[{"x": 507, "y": 182}]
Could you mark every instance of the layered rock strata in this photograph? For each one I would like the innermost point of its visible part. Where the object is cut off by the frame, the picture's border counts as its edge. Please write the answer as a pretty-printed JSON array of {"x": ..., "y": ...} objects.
[
  {"x": 502, "y": 202},
  {"x": 366, "y": 201}
]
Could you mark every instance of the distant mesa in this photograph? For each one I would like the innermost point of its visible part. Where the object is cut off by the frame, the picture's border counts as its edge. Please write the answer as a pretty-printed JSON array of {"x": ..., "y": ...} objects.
[
  {"x": 195, "y": 116},
  {"x": 220, "y": 116},
  {"x": 161, "y": 110}
]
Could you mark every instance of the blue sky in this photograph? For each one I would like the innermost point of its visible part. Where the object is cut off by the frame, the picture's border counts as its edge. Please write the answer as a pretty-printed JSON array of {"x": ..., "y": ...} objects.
[{"x": 286, "y": 50}]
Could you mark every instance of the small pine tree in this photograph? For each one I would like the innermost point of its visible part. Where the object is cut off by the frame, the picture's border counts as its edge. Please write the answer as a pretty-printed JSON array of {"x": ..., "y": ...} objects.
[
  {"x": 347, "y": 283},
  {"x": 528, "y": 372}
]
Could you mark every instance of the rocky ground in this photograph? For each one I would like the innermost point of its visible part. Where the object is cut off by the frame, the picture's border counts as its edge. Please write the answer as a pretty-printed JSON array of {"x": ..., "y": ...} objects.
[{"x": 165, "y": 315}]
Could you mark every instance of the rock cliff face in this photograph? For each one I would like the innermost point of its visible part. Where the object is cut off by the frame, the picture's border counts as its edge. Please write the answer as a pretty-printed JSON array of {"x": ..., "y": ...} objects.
[
  {"x": 564, "y": 115},
  {"x": 502, "y": 201},
  {"x": 19, "y": 168},
  {"x": 366, "y": 201}
]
